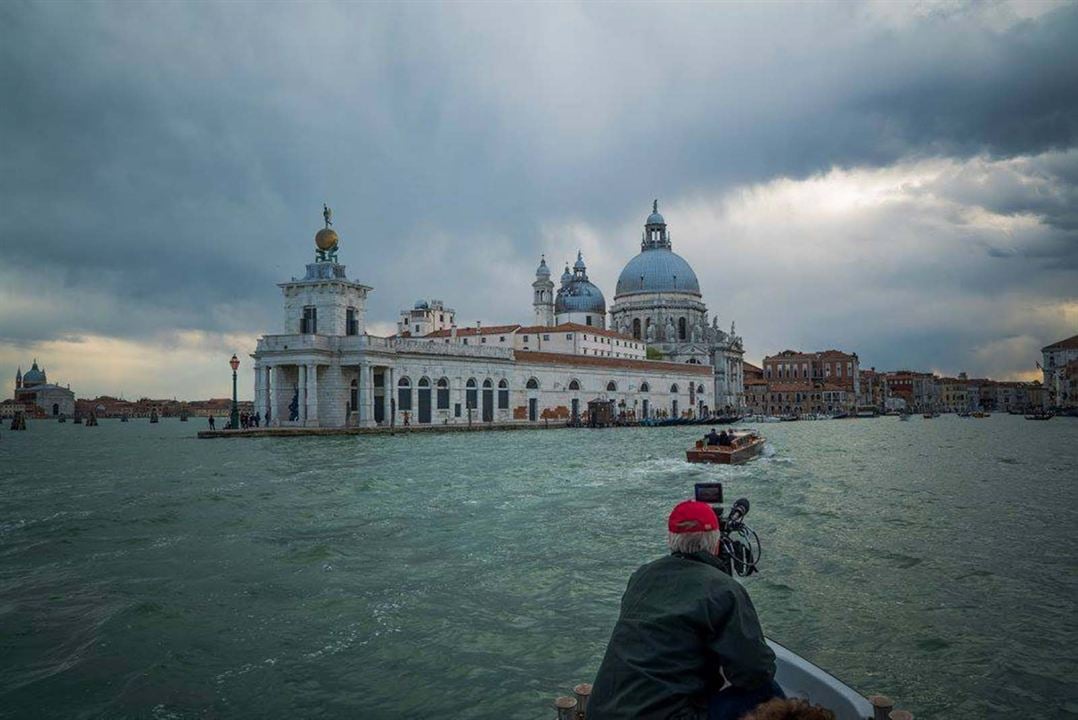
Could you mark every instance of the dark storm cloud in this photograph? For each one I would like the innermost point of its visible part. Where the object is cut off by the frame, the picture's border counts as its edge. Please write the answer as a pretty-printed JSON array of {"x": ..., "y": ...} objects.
[{"x": 164, "y": 164}]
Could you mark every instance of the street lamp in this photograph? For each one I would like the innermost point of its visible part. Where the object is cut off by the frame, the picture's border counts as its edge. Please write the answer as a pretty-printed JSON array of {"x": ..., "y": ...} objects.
[{"x": 234, "y": 419}]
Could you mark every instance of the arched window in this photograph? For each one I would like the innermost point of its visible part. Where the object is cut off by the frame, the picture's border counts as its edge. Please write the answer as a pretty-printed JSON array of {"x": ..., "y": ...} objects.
[
  {"x": 533, "y": 384},
  {"x": 503, "y": 394},
  {"x": 700, "y": 390},
  {"x": 471, "y": 394},
  {"x": 681, "y": 327},
  {"x": 611, "y": 386},
  {"x": 574, "y": 384},
  {"x": 443, "y": 394},
  {"x": 673, "y": 388},
  {"x": 636, "y": 328},
  {"x": 487, "y": 383},
  {"x": 424, "y": 382},
  {"x": 644, "y": 387},
  {"x": 404, "y": 394}
]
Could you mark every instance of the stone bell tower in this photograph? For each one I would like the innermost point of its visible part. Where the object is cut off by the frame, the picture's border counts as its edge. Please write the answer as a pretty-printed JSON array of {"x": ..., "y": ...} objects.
[{"x": 543, "y": 295}]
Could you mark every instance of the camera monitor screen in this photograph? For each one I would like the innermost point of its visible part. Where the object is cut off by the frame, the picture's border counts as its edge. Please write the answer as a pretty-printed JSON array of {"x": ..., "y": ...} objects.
[{"x": 709, "y": 492}]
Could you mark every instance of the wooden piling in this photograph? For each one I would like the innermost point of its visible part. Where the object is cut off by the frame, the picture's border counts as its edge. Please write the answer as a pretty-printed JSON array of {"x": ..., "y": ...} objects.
[
  {"x": 881, "y": 706},
  {"x": 583, "y": 694},
  {"x": 566, "y": 707}
]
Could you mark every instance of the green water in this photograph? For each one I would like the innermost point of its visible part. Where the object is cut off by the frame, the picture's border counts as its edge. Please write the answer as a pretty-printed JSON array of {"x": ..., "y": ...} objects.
[{"x": 146, "y": 574}]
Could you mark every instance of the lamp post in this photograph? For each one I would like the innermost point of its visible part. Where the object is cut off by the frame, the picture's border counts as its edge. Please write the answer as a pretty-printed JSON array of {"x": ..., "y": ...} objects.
[{"x": 234, "y": 418}]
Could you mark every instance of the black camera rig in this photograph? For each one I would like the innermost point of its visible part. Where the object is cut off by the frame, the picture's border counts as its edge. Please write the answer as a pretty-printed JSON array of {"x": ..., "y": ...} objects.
[{"x": 739, "y": 547}]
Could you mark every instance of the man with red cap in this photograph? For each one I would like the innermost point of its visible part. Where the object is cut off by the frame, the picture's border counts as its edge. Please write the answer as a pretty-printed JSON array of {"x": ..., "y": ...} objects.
[{"x": 685, "y": 630}]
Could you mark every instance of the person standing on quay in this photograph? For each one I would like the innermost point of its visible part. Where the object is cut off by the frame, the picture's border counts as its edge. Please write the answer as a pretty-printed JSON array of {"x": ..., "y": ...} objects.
[{"x": 211, "y": 423}]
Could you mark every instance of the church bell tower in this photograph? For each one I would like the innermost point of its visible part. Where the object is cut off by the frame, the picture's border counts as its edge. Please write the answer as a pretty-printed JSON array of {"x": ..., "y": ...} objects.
[{"x": 543, "y": 295}]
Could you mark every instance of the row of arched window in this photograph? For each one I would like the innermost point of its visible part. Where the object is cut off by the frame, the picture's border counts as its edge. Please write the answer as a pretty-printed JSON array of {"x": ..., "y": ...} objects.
[
  {"x": 471, "y": 386},
  {"x": 639, "y": 331}
]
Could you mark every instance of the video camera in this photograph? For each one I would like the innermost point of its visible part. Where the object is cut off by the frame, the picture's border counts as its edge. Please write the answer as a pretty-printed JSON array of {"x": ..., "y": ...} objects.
[{"x": 739, "y": 547}]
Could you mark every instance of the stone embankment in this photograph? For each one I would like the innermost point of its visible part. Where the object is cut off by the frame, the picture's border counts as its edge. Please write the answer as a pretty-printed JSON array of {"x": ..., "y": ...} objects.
[{"x": 398, "y": 430}]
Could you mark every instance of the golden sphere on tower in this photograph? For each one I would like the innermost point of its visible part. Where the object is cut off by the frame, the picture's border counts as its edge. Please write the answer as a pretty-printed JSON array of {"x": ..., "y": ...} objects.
[{"x": 326, "y": 239}]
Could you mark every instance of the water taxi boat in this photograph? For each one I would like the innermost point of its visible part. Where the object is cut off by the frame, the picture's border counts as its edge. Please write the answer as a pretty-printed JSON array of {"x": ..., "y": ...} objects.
[
  {"x": 746, "y": 445},
  {"x": 1040, "y": 416}
]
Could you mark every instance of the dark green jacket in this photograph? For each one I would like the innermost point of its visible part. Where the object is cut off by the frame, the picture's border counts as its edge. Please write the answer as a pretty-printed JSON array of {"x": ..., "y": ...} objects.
[{"x": 682, "y": 620}]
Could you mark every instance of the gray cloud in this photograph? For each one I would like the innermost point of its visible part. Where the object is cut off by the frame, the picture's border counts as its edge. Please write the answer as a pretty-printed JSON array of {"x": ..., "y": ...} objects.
[{"x": 167, "y": 162}]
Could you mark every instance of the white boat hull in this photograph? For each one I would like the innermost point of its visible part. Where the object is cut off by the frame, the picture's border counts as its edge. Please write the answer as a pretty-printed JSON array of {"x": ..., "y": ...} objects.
[{"x": 800, "y": 678}]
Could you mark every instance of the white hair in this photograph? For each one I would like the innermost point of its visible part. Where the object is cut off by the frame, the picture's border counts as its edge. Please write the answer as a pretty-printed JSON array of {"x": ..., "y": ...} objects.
[{"x": 693, "y": 542}]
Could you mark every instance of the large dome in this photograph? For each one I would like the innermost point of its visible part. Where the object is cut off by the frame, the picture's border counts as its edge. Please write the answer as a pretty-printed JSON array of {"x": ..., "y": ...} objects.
[{"x": 657, "y": 270}]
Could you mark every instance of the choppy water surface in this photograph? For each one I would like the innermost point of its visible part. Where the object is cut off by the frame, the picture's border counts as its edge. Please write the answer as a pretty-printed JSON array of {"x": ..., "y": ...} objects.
[{"x": 144, "y": 573}]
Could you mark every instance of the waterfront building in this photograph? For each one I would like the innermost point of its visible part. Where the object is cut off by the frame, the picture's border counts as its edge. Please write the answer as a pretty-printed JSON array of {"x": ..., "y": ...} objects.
[
  {"x": 954, "y": 394},
  {"x": 798, "y": 383},
  {"x": 325, "y": 370},
  {"x": 658, "y": 300},
  {"x": 1059, "y": 362},
  {"x": 43, "y": 398}
]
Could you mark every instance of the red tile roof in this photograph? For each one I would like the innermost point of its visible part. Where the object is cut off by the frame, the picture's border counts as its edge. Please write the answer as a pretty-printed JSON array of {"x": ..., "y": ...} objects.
[
  {"x": 1070, "y": 343},
  {"x": 471, "y": 331},
  {"x": 526, "y": 356},
  {"x": 576, "y": 327}
]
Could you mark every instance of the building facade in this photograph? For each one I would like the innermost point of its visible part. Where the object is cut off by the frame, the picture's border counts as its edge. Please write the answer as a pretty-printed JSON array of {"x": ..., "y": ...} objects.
[
  {"x": 325, "y": 370},
  {"x": 34, "y": 391},
  {"x": 658, "y": 300},
  {"x": 1059, "y": 365}
]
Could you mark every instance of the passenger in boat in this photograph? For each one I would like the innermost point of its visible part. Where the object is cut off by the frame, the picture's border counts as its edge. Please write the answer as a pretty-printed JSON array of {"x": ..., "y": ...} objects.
[
  {"x": 726, "y": 440},
  {"x": 713, "y": 438},
  {"x": 682, "y": 621},
  {"x": 211, "y": 423},
  {"x": 793, "y": 709}
]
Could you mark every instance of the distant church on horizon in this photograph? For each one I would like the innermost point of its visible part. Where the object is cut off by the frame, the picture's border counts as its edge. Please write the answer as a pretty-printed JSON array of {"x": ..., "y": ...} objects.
[{"x": 324, "y": 370}]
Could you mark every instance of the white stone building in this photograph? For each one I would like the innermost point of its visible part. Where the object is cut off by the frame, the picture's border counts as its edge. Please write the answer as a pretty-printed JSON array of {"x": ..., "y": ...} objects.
[
  {"x": 1059, "y": 368},
  {"x": 34, "y": 388},
  {"x": 324, "y": 370},
  {"x": 425, "y": 317}
]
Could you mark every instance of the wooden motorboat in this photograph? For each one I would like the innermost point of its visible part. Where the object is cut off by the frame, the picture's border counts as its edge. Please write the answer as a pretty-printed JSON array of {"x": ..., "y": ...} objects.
[
  {"x": 1040, "y": 416},
  {"x": 747, "y": 444}
]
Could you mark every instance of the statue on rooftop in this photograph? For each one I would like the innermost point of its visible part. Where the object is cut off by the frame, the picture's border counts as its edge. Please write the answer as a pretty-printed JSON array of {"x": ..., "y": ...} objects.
[{"x": 327, "y": 214}]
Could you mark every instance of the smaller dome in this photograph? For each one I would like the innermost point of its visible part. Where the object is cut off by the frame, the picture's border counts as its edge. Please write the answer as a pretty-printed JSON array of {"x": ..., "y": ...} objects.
[
  {"x": 579, "y": 264},
  {"x": 580, "y": 296},
  {"x": 656, "y": 219},
  {"x": 422, "y": 305},
  {"x": 326, "y": 239},
  {"x": 566, "y": 277},
  {"x": 542, "y": 270}
]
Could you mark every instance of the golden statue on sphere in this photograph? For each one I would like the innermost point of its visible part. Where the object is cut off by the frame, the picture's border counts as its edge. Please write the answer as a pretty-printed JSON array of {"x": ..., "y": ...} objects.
[{"x": 326, "y": 239}]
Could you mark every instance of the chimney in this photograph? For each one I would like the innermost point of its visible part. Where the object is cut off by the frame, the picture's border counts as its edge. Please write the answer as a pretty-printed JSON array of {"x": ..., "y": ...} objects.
[{"x": 453, "y": 331}]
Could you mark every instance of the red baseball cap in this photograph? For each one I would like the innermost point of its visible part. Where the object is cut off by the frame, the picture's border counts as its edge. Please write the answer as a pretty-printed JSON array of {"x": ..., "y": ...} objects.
[{"x": 692, "y": 516}]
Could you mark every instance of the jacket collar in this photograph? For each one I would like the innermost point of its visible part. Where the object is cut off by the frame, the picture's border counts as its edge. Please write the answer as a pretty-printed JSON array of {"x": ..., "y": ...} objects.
[{"x": 701, "y": 556}]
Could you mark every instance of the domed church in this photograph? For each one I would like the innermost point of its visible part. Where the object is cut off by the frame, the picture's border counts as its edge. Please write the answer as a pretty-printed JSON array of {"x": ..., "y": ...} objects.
[{"x": 658, "y": 300}]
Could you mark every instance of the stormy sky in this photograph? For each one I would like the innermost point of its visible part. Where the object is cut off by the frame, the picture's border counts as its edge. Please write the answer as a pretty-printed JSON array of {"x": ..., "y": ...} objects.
[{"x": 895, "y": 179}]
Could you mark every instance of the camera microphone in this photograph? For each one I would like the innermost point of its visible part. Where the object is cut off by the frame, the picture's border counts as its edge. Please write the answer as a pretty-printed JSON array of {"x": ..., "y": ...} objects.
[{"x": 738, "y": 512}]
